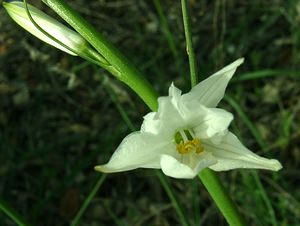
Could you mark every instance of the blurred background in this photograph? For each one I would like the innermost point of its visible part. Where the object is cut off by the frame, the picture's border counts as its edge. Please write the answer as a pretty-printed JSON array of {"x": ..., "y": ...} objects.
[{"x": 61, "y": 116}]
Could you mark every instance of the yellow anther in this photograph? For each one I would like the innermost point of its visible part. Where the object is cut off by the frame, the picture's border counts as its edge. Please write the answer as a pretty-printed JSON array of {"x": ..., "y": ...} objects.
[
  {"x": 199, "y": 149},
  {"x": 181, "y": 148},
  {"x": 196, "y": 141},
  {"x": 189, "y": 145}
]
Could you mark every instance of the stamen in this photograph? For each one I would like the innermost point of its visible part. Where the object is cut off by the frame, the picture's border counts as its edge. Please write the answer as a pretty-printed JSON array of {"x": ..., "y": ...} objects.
[
  {"x": 183, "y": 135},
  {"x": 186, "y": 142},
  {"x": 188, "y": 134}
]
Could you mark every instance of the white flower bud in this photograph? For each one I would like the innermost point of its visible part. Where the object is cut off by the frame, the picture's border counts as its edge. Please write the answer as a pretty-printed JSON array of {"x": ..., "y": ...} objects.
[{"x": 65, "y": 35}]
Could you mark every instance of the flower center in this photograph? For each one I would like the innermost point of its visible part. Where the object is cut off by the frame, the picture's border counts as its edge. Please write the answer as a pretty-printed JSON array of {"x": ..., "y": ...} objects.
[{"x": 186, "y": 142}]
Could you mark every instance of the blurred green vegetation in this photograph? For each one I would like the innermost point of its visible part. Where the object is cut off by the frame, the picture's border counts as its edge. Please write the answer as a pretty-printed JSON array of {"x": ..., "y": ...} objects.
[{"x": 60, "y": 116}]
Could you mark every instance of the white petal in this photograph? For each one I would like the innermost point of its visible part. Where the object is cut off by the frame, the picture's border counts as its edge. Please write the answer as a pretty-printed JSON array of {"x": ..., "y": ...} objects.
[
  {"x": 211, "y": 90},
  {"x": 175, "y": 94},
  {"x": 167, "y": 117},
  {"x": 151, "y": 124},
  {"x": 232, "y": 154},
  {"x": 167, "y": 110},
  {"x": 163, "y": 123},
  {"x": 174, "y": 168},
  {"x": 216, "y": 121},
  {"x": 136, "y": 150},
  {"x": 207, "y": 122}
]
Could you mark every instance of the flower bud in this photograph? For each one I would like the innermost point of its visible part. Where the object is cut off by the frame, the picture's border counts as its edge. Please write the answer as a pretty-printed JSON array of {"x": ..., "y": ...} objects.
[{"x": 75, "y": 43}]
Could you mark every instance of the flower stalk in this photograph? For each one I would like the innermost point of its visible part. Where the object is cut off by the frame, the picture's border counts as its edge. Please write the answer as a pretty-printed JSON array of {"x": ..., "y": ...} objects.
[
  {"x": 223, "y": 201},
  {"x": 189, "y": 43},
  {"x": 125, "y": 70}
]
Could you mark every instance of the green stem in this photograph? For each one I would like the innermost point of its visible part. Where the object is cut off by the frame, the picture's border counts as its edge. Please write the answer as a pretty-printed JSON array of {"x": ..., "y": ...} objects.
[
  {"x": 209, "y": 178},
  {"x": 184, "y": 221},
  {"x": 12, "y": 214},
  {"x": 265, "y": 198},
  {"x": 88, "y": 200},
  {"x": 218, "y": 193},
  {"x": 189, "y": 43},
  {"x": 169, "y": 37},
  {"x": 126, "y": 72}
]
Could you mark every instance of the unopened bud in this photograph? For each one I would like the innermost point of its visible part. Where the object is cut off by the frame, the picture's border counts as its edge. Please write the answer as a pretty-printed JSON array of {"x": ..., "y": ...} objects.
[{"x": 73, "y": 41}]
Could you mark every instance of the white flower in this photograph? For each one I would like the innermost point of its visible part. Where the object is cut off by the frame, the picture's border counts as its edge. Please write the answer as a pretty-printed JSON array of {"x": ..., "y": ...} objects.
[
  {"x": 188, "y": 133},
  {"x": 65, "y": 35}
]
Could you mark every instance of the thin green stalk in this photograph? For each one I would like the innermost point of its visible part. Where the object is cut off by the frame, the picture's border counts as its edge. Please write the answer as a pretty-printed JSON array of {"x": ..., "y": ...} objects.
[
  {"x": 169, "y": 36},
  {"x": 178, "y": 208},
  {"x": 184, "y": 221},
  {"x": 265, "y": 198},
  {"x": 88, "y": 200},
  {"x": 209, "y": 178},
  {"x": 9, "y": 211},
  {"x": 125, "y": 70},
  {"x": 221, "y": 198},
  {"x": 189, "y": 43}
]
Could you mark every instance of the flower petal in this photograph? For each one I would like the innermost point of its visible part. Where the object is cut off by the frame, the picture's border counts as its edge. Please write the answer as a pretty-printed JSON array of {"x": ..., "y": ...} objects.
[
  {"x": 151, "y": 124},
  {"x": 167, "y": 118},
  {"x": 175, "y": 94},
  {"x": 136, "y": 150},
  {"x": 174, "y": 168},
  {"x": 207, "y": 122},
  {"x": 231, "y": 154},
  {"x": 211, "y": 90}
]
